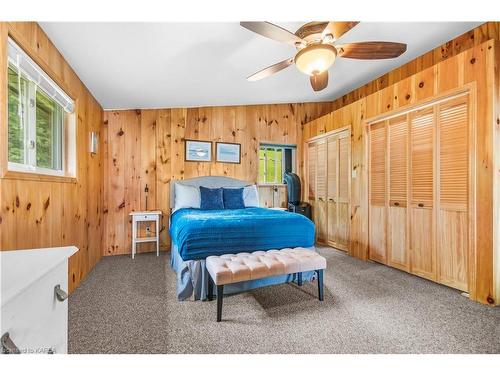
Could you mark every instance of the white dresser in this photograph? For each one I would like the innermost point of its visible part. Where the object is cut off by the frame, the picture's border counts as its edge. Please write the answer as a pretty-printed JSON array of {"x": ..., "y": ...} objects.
[{"x": 34, "y": 312}]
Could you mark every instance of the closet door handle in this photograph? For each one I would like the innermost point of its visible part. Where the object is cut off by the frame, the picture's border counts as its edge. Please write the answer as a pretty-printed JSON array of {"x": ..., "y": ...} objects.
[
  {"x": 61, "y": 295},
  {"x": 420, "y": 205},
  {"x": 8, "y": 346}
]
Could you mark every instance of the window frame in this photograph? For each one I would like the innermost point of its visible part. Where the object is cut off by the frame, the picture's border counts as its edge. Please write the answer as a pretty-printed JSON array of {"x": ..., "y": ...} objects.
[
  {"x": 30, "y": 127},
  {"x": 67, "y": 132},
  {"x": 275, "y": 147}
]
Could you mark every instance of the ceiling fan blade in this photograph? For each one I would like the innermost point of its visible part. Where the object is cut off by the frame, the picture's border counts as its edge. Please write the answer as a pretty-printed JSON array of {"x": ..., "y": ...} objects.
[
  {"x": 371, "y": 50},
  {"x": 319, "y": 81},
  {"x": 337, "y": 29},
  {"x": 272, "y": 31},
  {"x": 270, "y": 70}
]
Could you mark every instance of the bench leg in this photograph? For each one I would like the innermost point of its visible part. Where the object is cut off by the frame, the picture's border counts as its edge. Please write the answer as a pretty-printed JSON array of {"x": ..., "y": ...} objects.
[
  {"x": 210, "y": 294},
  {"x": 320, "y": 284},
  {"x": 220, "y": 294},
  {"x": 299, "y": 278}
]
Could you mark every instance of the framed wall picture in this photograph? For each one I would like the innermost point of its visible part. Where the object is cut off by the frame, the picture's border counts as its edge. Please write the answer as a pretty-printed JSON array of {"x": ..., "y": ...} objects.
[
  {"x": 198, "y": 150},
  {"x": 228, "y": 152}
]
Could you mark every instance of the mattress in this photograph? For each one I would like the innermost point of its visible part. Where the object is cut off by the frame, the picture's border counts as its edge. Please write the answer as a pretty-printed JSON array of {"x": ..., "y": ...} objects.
[{"x": 201, "y": 233}]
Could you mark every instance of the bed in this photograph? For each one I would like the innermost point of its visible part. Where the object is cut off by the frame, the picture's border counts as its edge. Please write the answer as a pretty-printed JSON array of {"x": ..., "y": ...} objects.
[{"x": 197, "y": 234}]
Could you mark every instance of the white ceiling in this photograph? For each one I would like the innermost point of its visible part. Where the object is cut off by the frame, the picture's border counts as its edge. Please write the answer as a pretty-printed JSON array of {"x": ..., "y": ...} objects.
[{"x": 160, "y": 65}]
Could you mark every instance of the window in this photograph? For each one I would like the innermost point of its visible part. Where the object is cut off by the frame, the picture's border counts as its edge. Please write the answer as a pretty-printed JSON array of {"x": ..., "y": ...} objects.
[
  {"x": 39, "y": 119},
  {"x": 274, "y": 161}
]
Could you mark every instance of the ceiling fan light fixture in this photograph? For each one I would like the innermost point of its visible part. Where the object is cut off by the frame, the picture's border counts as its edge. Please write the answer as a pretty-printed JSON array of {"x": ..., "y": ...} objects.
[{"x": 315, "y": 59}]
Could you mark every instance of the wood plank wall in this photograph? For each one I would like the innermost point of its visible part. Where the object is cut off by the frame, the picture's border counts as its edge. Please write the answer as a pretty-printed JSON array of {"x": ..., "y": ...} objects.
[
  {"x": 147, "y": 147},
  {"x": 36, "y": 214},
  {"x": 496, "y": 182},
  {"x": 473, "y": 66}
]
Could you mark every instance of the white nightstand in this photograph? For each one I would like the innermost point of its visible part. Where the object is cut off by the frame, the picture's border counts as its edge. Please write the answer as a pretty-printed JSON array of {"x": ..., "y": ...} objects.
[{"x": 144, "y": 216}]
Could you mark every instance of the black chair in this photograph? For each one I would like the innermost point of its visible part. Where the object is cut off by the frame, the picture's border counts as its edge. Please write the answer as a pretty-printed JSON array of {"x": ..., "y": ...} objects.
[{"x": 294, "y": 190}]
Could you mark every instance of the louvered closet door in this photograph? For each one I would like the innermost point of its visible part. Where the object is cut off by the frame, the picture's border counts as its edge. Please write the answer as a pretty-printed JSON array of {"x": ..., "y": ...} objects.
[
  {"x": 321, "y": 219},
  {"x": 452, "y": 219},
  {"x": 343, "y": 215},
  {"x": 377, "y": 183},
  {"x": 332, "y": 172},
  {"x": 397, "y": 254},
  {"x": 422, "y": 251}
]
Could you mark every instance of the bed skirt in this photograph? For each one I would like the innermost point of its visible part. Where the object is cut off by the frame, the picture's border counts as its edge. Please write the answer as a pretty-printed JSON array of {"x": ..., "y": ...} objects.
[{"x": 192, "y": 278}]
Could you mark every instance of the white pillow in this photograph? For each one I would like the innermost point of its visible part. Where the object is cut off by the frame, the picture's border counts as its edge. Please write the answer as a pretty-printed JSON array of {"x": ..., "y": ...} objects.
[
  {"x": 251, "y": 196},
  {"x": 186, "y": 197}
]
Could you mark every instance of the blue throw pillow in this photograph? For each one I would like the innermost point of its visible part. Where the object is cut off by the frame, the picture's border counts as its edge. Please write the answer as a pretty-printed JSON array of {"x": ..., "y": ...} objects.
[
  {"x": 211, "y": 199},
  {"x": 233, "y": 198}
]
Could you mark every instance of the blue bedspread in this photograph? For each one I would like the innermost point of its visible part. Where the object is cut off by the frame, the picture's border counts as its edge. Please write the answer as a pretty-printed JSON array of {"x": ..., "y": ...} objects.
[{"x": 198, "y": 233}]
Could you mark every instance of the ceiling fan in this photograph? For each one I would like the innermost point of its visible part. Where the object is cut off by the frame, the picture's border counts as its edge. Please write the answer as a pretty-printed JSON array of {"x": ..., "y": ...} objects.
[{"x": 317, "y": 50}]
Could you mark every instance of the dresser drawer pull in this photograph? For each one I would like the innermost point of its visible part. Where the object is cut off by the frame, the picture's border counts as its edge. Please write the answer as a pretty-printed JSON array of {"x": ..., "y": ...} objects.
[
  {"x": 61, "y": 295},
  {"x": 8, "y": 346}
]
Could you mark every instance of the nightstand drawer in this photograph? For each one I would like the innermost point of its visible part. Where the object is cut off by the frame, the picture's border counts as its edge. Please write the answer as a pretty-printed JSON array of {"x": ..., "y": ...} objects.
[{"x": 147, "y": 217}]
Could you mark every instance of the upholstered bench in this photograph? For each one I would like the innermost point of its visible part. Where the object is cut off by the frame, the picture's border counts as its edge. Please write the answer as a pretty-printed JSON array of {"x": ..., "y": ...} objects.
[{"x": 233, "y": 268}]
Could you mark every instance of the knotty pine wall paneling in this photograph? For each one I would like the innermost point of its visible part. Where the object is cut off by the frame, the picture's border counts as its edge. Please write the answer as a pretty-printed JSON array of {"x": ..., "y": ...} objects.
[
  {"x": 496, "y": 183},
  {"x": 46, "y": 212},
  {"x": 147, "y": 147},
  {"x": 474, "y": 67}
]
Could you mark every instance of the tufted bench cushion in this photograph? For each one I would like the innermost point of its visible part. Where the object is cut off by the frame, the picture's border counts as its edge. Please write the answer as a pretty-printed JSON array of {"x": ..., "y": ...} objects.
[{"x": 231, "y": 268}]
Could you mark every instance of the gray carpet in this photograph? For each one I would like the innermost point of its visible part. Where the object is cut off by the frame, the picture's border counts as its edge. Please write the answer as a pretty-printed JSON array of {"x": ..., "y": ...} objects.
[{"x": 130, "y": 306}]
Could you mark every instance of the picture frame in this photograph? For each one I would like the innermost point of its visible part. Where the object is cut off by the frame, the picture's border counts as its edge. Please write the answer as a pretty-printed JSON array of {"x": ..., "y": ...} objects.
[
  {"x": 227, "y": 152},
  {"x": 198, "y": 151}
]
